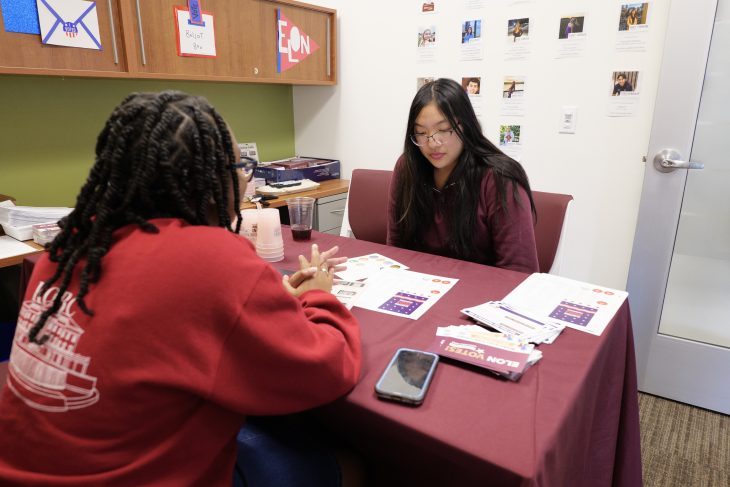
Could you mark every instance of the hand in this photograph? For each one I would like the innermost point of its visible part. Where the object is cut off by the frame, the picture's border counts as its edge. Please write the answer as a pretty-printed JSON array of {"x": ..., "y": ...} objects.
[{"x": 315, "y": 273}]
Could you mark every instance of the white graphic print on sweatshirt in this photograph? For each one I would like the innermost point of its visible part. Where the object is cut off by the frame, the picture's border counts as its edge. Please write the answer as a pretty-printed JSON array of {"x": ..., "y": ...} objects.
[{"x": 50, "y": 377}]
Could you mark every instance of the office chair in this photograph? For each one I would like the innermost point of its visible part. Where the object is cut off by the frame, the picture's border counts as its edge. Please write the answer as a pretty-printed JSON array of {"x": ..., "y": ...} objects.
[
  {"x": 367, "y": 204},
  {"x": 552, "y": 217}
]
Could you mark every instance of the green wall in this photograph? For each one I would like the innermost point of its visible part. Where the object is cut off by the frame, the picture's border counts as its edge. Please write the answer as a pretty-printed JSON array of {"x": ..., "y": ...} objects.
[{"x": 49, "y": 125}]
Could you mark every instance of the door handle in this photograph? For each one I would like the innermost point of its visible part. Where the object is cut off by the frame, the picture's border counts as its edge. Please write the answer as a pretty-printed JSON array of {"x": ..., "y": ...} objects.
[{"x": 669, "y": 159}]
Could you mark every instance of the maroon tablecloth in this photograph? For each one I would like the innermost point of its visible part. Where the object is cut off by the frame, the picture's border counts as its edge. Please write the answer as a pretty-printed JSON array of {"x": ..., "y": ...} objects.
[{"x": 572, "y": 419}]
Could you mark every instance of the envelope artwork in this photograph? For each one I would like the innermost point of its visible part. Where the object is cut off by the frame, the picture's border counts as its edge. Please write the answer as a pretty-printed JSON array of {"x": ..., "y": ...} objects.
[{"x": 71, "y": 23}]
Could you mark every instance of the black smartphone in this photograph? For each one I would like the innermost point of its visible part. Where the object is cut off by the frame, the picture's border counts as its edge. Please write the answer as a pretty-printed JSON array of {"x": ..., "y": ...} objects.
[{"x": 407, "y": 376}]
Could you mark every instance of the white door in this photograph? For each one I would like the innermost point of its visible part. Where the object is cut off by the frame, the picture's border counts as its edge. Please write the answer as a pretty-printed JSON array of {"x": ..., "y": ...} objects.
[{"x": 679, "y": 279}]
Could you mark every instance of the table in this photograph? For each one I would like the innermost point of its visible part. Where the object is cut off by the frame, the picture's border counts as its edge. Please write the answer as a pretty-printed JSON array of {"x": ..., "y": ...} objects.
[
  {"x": 326, "y": 188},
  {"x": 17, "y": 259},
  {"x": 572, "y": 419}
]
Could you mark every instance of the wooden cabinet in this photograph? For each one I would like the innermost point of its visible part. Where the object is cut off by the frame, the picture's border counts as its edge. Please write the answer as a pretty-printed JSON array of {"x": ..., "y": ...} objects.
[
  {"x": 145, "y": 44},
  {"x": 25, "y": 54}
]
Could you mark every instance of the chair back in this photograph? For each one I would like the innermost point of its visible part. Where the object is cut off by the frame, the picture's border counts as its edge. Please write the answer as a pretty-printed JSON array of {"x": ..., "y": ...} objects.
[
  {"x": 552, "y": 212},
  {"x": 367, "y": 204}
]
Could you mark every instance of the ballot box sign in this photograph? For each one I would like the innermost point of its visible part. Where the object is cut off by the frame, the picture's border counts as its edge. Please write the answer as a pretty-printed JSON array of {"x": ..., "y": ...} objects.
[
  {"x": 70, "y": 23},
  {"x": 195, "y": 31},
  {"x": 293, "y": 45}
]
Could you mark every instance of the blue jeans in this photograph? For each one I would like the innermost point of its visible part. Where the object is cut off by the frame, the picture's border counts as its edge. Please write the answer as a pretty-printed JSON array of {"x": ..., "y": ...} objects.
[{"x": 283, "y": 452}]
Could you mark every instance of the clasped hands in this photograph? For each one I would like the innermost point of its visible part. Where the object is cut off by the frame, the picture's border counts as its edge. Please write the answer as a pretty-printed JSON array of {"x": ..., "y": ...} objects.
[{"x": 316, "y": 273}]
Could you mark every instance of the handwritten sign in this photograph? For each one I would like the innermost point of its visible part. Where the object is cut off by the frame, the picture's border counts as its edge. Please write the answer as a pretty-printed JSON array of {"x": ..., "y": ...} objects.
[{"x": 194, "y": 40}]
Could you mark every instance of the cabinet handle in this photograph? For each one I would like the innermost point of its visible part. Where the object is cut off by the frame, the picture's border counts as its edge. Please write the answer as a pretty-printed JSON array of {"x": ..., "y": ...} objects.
[
  {"x": 329, "y": 68},
  {"x": 114, "y": 34},
  {"x": 141, "y": 34},
  {"x": 338, "y": 212}
]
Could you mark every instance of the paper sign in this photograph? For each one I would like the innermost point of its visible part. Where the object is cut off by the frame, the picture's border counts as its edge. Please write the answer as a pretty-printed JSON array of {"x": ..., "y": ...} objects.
[
  {"x": 293, "y": 44},
  {"x": 194, "y": 40},
  {"x": 71, "y": 23}
]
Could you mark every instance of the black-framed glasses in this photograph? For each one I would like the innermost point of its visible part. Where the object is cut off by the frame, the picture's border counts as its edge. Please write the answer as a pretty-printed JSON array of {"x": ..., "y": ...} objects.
[
  {"x": 246, "y": 165},
  {"x": 439, "y": 137}
]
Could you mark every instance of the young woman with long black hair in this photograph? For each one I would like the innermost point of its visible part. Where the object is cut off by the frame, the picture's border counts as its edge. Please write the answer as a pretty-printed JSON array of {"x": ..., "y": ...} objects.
[{"x": 453, "y": 192}]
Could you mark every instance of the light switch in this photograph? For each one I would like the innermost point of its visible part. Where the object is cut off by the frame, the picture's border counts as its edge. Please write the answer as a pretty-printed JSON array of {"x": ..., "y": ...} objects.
[{"x": 568, "y": 117}]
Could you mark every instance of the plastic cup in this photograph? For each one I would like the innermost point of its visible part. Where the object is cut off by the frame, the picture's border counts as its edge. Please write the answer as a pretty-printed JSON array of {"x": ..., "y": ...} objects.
[
  {"x": 301, "y": 214},
  {"x": 269, "y": 244},
  {"x": 249, "y": 224}
]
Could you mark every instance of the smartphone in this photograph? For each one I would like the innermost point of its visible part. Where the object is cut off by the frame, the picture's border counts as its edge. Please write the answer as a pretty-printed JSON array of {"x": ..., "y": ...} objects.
[{"x": 407, "y": 376}]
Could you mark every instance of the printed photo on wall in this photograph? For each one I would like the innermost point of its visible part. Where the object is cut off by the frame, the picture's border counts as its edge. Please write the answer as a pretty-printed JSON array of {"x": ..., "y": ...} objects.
[
  {"x": 518, "y": 29},
  {"x": 625, "y": 82},
  {"x": 510, "y": 141},
  {"x": 472, "y": 85},
  {"x": 513, "y": 87},
  {"x": 509, "y": 135},
  {"x": 428, "y": 7},
  {"x": 513, "y": 96},
  {"x": 471, "y": 31},
  {"x": 633, "y": 15},
  {"x": 471, "y": 40},
  {"x": 624, "y": 94},
  {"x": 633, "y": 27},
  {"x": 422, "y": 81},
  {"x": 427, "y": 43},
  {"x": 571, "y": 36},
  {"x": 569, "y": 26},
  {"x": 518, "y": 39}
]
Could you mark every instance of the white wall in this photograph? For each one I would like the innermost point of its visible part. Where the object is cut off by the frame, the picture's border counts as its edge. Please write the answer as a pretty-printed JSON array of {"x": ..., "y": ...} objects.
[{"x": 361, "y": 121}]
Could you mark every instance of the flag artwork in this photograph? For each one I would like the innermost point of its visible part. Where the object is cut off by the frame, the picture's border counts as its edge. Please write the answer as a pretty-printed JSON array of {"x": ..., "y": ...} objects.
[{"x": 293, "y": 44}]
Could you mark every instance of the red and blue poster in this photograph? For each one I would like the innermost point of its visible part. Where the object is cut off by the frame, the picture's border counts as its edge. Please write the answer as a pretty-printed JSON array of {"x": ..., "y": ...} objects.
[{"x": 292, "y": 44}]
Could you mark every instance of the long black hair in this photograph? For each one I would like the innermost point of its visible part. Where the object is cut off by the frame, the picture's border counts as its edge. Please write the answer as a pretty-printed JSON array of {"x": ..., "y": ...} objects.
[
  {"x": 160, "y": 155},
  {"x": 414, "y": 197}
]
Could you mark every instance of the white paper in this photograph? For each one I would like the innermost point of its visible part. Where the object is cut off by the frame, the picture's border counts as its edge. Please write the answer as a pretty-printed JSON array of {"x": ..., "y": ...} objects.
[
  {"x": 347, "y": 292},
  {"x": 579, "y": 305},
  {"x": 195, "y": 40},
  {"x": 70, "y": 23},
  {"x": 363, "y": 267},
  {"x": 404, "y": 293},
  {"x": 516, "y": 322},
  {"x": 9, "y": 247}
]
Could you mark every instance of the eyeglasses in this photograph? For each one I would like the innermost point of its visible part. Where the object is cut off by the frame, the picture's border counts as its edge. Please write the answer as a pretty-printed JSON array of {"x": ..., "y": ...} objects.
[
  {"x": 439, "y": 137},
  {"x": 246, "y": 166}
]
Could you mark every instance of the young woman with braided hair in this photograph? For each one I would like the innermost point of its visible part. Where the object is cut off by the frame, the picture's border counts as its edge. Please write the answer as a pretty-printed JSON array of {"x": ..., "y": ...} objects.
[{"x": 151, "y": 330}]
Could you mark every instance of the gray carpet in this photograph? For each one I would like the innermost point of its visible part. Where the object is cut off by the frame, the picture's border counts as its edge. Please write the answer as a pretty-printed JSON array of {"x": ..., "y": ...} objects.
[{"x": 683, "y": 445}]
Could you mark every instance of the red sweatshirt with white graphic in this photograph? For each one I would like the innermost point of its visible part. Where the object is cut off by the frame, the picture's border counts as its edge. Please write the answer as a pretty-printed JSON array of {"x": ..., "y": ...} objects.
[{"x": 191, "y": 332}]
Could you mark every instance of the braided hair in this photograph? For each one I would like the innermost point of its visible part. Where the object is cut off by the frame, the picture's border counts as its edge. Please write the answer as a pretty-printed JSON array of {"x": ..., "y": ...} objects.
[{"x": 160, "y": 155}]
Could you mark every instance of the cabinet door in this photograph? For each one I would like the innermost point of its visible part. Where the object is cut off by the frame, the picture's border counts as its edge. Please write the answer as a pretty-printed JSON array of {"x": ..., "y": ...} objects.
[
  {"x": 245, "y": 40},
  {"x": 151, "y": 38},
  {"x": 26, "y": 54},
  {"x": 314, "y": 25}
]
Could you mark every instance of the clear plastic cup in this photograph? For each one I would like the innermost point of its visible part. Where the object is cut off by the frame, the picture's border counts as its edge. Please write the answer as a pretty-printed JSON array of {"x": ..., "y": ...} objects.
[{"x": 301, "y": 215}]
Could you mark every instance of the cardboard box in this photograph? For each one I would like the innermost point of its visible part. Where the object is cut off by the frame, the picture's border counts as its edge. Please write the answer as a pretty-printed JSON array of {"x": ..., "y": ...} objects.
[{"x": 317, "y": 170}]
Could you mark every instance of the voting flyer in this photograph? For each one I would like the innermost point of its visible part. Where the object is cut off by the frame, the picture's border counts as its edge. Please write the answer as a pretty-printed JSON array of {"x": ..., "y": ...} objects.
[
  {"x": 404, "y": 293},
  {"x": 578, "y": 305}
]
